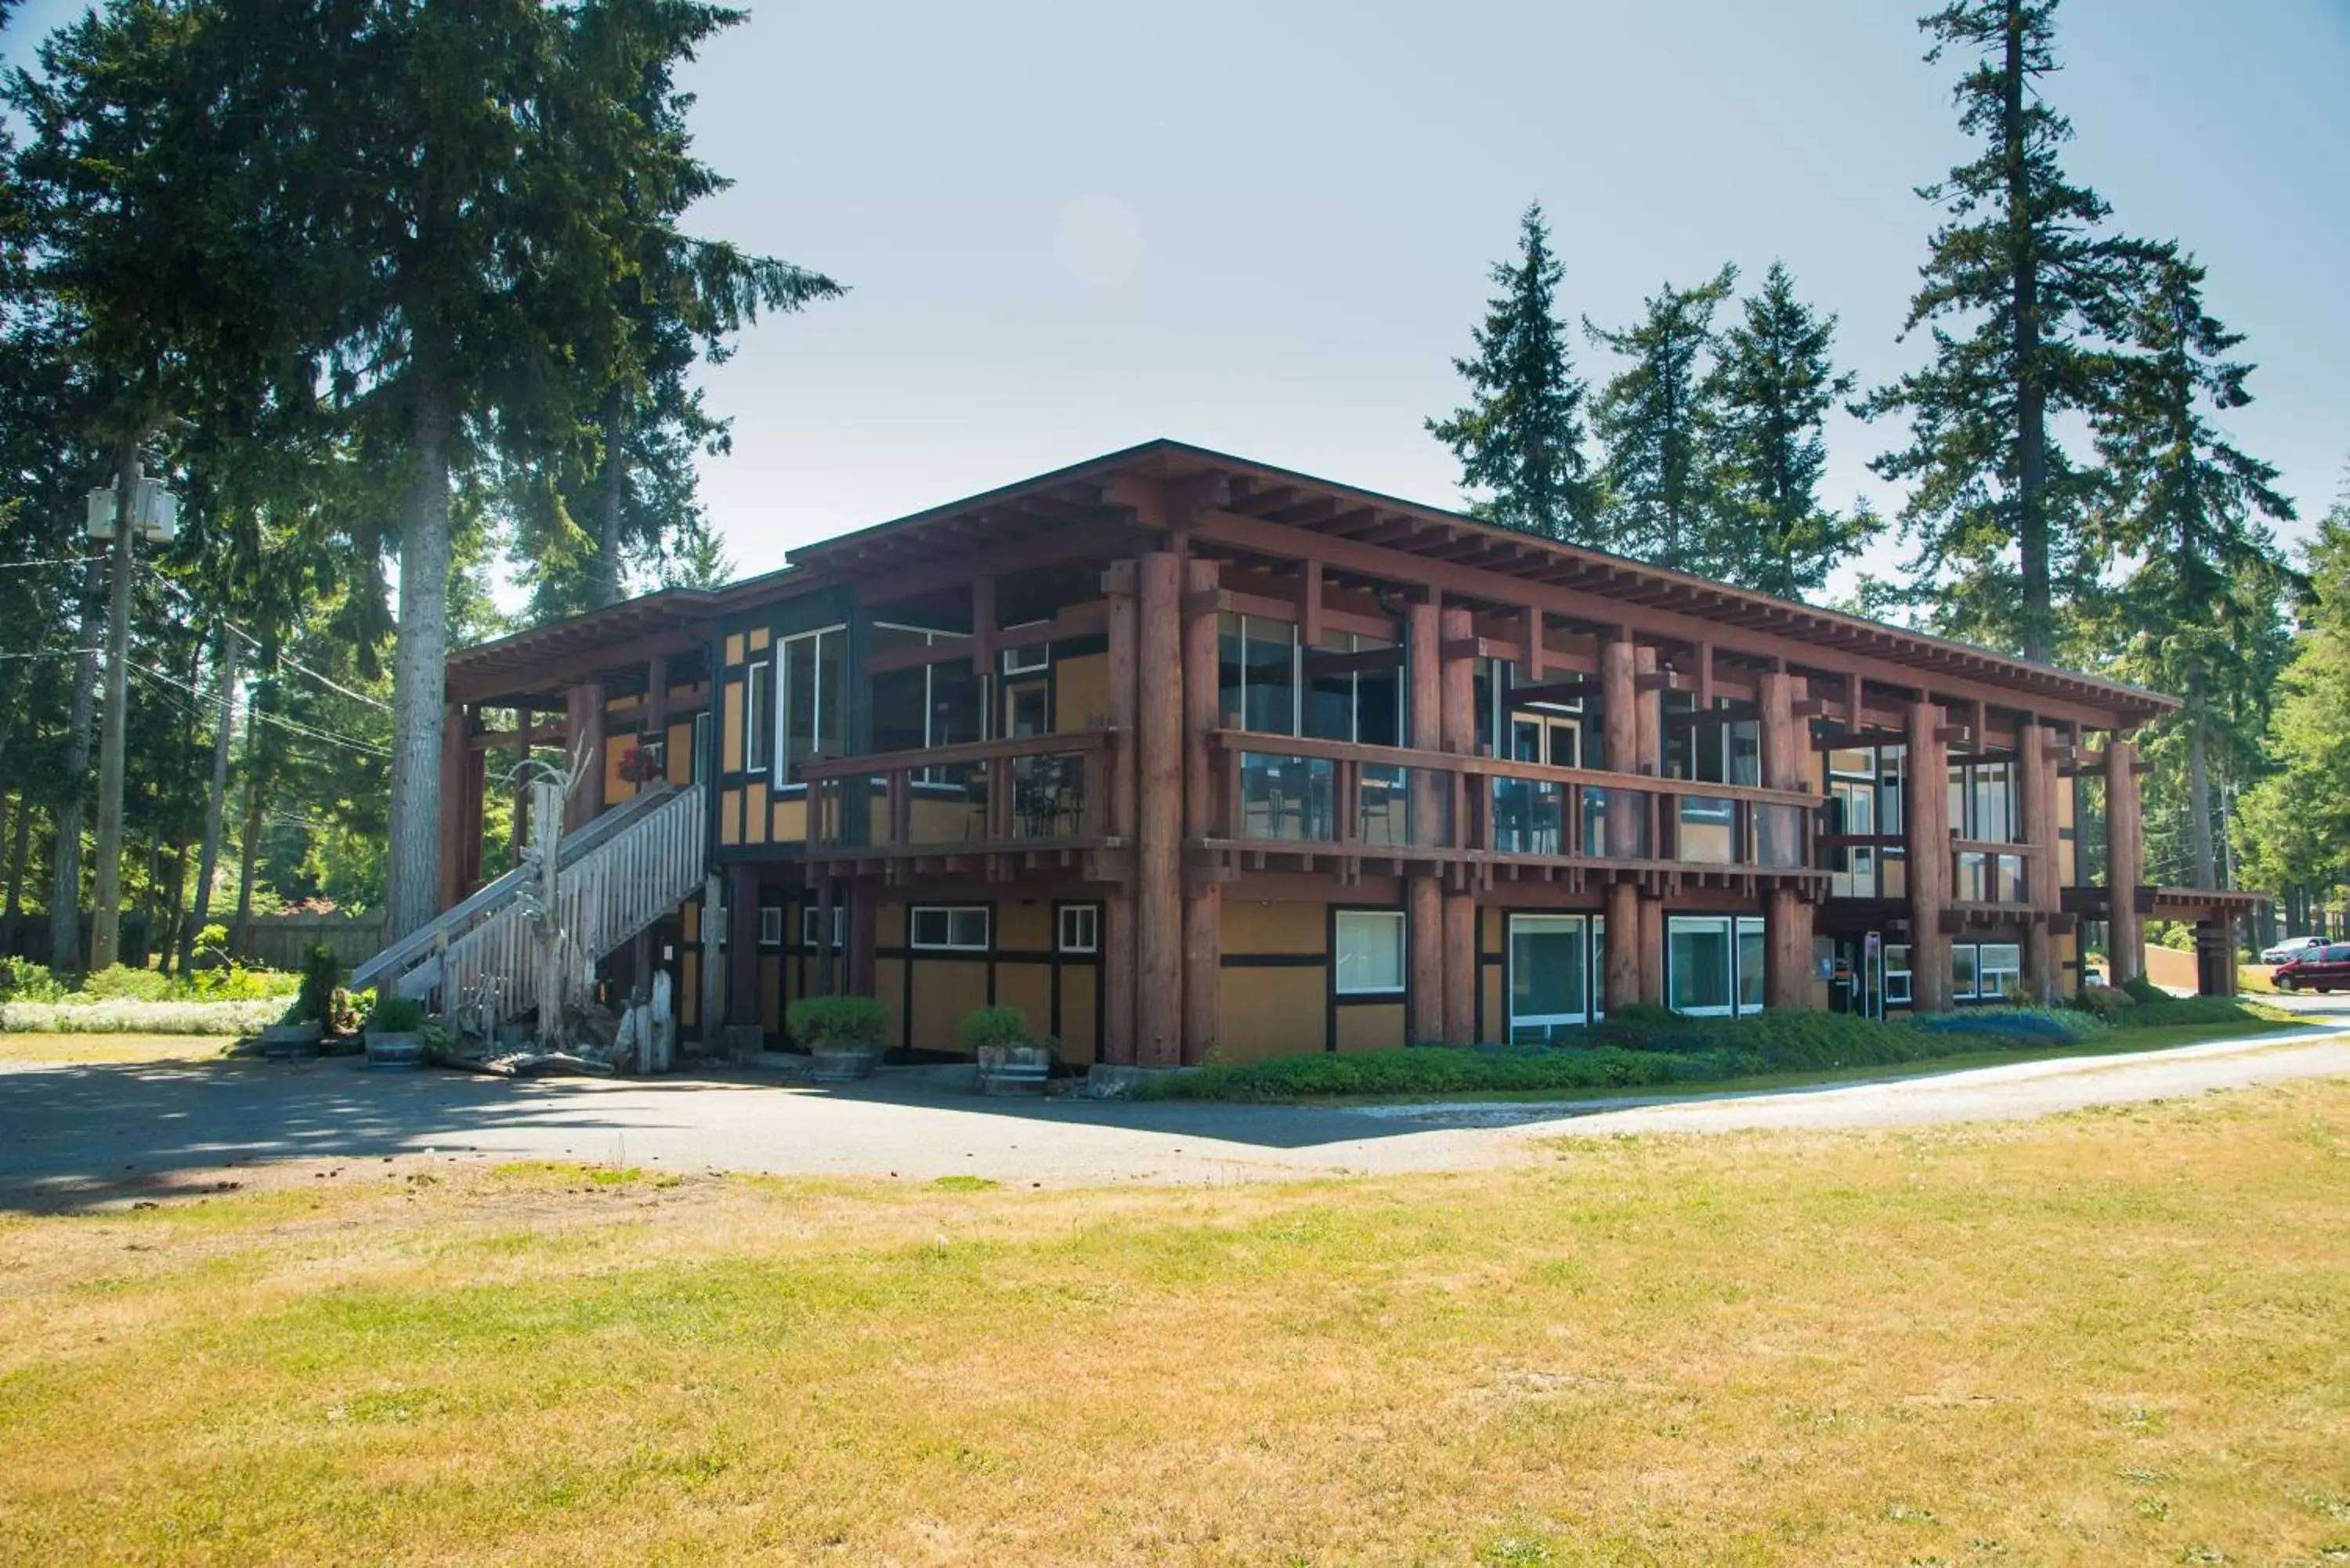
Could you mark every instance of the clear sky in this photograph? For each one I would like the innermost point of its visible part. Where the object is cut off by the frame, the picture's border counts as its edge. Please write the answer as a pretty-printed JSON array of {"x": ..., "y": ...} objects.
[{"x": 1265, "y": 227}]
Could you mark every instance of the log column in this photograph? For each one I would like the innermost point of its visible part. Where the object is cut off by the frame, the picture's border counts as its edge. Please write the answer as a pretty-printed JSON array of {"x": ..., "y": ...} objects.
[
  {"x": 1458, "y": 696},
  {"x": 1926, "y": 808},
  {"x": 1648, "y": 730},
  {"x": 2125, "y": 862},
  {"x": 1620, "y": 737},
  {"x": 584, "y": 706},
  {"x": 1203, "y": 899},
  {"x": 1118, "y": 908},
  {"x": 1159, "y": 810},
  {"x": 523, "y": 717},
  {"x": 2036, "y": 803},
  {"x": 1786, "y": 765},
  {"x": 1424, "y": 892}
]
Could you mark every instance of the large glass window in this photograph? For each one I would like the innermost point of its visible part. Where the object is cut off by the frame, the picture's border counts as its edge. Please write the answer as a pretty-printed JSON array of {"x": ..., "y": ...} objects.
[
  {"x": 1713, "y": 964},
  {"x": 1370, "y": 952},
  {"x": 931, "y": 705},
  {"x": 1750, "y": 966},
  {"x": 1983, "y": 801},
  {"x": 1256, "y": 674},
  {"x": 1550, "y": 974},
  {"x": 1354, "y": 689},
  {"x": 814, "y": 699},
  {"x": 951, "y": 928}
]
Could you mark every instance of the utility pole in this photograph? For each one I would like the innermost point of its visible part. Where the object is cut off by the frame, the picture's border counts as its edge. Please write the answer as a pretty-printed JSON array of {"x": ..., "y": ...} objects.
[{"x": 106, "y": 898}]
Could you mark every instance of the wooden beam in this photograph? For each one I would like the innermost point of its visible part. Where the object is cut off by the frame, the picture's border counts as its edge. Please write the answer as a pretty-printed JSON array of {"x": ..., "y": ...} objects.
[
  {"x": 1309, "y": 605},
  {"x": 1531, "y": 661},
  {"x": 982, "y": 624}
]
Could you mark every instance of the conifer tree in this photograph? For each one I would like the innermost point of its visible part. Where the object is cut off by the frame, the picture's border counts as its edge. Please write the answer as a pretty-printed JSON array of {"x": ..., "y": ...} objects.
[
  {"x": 1519, "y": 439},
  {"x": 2202, "y": 608},
  {"x": 2293, "y": 825},
  {"x": 1772, "y": 384},
  {"x": 1656, "y": 421},
  {"x": 2019, "y": 287}
]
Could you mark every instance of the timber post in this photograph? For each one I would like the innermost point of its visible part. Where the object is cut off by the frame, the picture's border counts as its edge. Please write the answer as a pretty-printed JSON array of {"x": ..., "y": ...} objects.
[
  {"x": 1424, "y": 895},
  {"x": 584, "y": 705},
  {"x": 1203, "y": 898},
  {"x": 1649, "y": 739},
  {"x": 2036, "y": 803},
  {"x": 1786, "y": 765},
  {"x": 1620, "y": 742},
  {"x": 1159, "y": 831},
  {"x": 1458, "y": 698},
  {"x": 2125, "y": 862},
  {"x": 1927, "y": 810},
  {"x": 1118, "y": 958}
]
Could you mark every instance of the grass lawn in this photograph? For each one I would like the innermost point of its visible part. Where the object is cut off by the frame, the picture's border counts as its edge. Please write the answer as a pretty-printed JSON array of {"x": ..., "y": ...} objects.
[
  {"x": 25, "y": 1047},
  {"x": 2109, "y": 1337}
]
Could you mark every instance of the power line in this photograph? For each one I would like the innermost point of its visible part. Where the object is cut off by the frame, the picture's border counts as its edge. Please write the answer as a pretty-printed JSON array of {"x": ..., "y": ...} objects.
[
  {"x": 284, "y": 657},
  {"x": 266, "y": 717},
  {"x": 57, "y": 561}
]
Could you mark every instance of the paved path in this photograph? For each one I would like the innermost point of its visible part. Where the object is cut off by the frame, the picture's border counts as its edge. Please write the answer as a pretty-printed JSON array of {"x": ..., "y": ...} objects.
[{"x": 89, "y": 1129}]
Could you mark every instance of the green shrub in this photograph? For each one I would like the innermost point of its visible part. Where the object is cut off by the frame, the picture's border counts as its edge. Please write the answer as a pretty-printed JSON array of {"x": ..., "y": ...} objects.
[
  {"x": 2101, "y": 1002},
  {"x": 838, "y": 1023},
  {"x": 90, "y": 1015},
  {"x": 2062, "y": 1025},
  {"x": 994, "y": 1026},
  {"x": 322, "y": 978},
  {"x": 2174, "y": 1010},
  {"x": 1423, "y": 1071},
  {"x": 121, "y": 982},
  {"x": 22, "y": 980},
  {"x": 2140, "y": 988},
  {"x": 396, "y": 1015}
]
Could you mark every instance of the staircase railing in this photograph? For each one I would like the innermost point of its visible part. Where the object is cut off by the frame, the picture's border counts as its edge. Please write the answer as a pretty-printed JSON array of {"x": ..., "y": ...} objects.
[{"x": 618, "y": 875}]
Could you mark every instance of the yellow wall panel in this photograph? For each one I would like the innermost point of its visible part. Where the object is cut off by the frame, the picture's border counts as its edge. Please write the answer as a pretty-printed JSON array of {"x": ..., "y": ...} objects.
[
  {"x": 730, "y": 816},
  {"x": 1371, "y": 1027},
  {"x": 677, "y": 762},
  {"x": 1023, "y": 925},
  {"x": 889, "y": 986},
  {"x": 890, "y": 926},
  {"x": 1080, "y": 692},
  {"x": 944, "y": 989},
  {"x": 1270, "y": 1012},
  {"x": 1250, "y": 926},
  {"x": 1029, "y": 988},
  {"x": 755, "y": 813},
  {"x": 734, "y": 649},
  {"x": 791, "y": 818},
  {"x": 730, "y": 719},
  {"x": 759, "y": 638},
  {"x": 1080, "y": 1028}
]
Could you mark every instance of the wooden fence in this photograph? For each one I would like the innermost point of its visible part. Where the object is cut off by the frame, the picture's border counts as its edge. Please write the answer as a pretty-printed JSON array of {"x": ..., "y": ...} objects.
[{"x": 283, "y": 942}]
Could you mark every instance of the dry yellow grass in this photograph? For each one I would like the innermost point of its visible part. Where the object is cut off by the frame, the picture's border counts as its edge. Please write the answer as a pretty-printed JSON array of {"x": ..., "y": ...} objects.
[
  {"x": 88, "y": 1048},
  {"x": 2109, "y": 1338}
]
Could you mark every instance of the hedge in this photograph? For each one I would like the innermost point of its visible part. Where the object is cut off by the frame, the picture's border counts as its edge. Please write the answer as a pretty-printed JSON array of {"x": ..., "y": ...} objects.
[{"x": 127, "y": 1017}]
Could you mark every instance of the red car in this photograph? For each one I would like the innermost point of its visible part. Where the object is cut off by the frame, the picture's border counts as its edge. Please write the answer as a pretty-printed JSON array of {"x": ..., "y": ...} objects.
[{"x": 2319, "y": 969}]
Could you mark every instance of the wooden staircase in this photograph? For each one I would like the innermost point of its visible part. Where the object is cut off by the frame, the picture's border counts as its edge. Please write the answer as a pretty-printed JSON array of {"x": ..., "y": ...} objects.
[{"x": 484, "y": 960}]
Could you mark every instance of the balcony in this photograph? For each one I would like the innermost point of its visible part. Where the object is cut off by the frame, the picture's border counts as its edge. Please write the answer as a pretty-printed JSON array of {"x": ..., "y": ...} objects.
[
  {"x": 994, "y": 805},
  {"x": 1304, "y": 800}
]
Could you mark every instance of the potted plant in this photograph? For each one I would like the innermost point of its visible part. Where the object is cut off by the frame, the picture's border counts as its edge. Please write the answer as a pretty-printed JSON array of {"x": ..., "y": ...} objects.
[
  {"x": 1009, "y": 1062},
  {"x": 395, "y": 1033},
  {"x": 842, "y": 1033},
  {"x": 297, "y": 1033}
]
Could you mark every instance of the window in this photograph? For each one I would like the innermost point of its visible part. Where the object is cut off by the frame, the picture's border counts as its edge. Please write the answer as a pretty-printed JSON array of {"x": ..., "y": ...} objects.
[
  {"x": 814, "y": 699},
  {"x": 1256, "y": 674},
  {"x": 756, "y": 726},
  {"x": 701, "y": 746},
  {"x": 1984, "y": 802},
  {"x": 809, "y": 926},
  {"x": 1034, "y": 658},
  {"x": 1896, "y": 976},
  {"x": 1962, "y": 971},
  {"x": 1550, "y": 974},
  {"x": 936, "y": 704},
  {"x": 958, "y": 928},
  {"x": 1080, "y": 928},
  {"x": 771, "y": 926},
  {"x": 1998, "y": 966},
  {"x": 1713, "y": 964},
  {"x": 1354, "y": 689},
  {"x": 1370, "y": 952}
]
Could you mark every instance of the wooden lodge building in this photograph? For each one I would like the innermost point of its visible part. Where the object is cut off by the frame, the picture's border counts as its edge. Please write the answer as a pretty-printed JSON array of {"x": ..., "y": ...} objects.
[{"x": 1183, "y": 754}]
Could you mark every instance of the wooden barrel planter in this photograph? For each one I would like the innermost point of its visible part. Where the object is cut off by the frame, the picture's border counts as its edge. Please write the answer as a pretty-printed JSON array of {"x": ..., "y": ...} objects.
[
  {"x": 1014, "y": 1070},
  {"x": 292, "y": 1042},
  {"x": 395, "y": 1053},
  {"x": 831, "y": 1065}
]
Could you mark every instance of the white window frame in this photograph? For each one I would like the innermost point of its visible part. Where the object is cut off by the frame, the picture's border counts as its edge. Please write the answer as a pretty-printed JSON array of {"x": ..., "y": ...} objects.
[
  {"x": 1892, "y": 974},
  {"x": 2012, "y": 974},
  {"x": 1734, "y": 925},
  {"x": 771, "y": 925},
  {"x": 1297, "y": 673},
  {"x": 1081, "y": 935},
  {"x": 1031, "y": 659},
  {"x": 839, "y": 927},
  {"x": 760, "y": 726},
  {"x": 1582, "y": 925},
  {"x": 956, "y": 915},
  {"x": 1392, "y": 918},
  {"x": 778, "y": 762},
  {"x": 1974, "y": 972}
]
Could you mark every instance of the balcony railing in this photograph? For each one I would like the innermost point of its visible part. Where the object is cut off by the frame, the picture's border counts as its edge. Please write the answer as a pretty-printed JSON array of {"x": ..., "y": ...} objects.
[
  {"x": 1033, "y": 792},
  {"x": 1282, "y": 789}
]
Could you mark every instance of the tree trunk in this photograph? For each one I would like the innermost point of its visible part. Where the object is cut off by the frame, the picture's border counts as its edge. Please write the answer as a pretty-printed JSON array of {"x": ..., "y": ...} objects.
[
  {"x": 18, "y": 850},
  {"x": 168, "y": 957},
  {"x": 65, "y": 856},
  {"x": 612, "y": 490},
  {"x": 420, "y": 676},
  {"x": 248, "y": 843},
  {"x": 106, "y": 895},
  {"x": 2202, "y": 868},
  {"x": 2039, "y": 627},
  {"x": 213, "y": 804}
]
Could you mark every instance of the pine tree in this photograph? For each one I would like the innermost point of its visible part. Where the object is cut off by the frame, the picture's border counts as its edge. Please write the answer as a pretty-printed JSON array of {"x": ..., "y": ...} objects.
[
  {"x": 2019, "y": 286},
  {"x": 2202, "y": 608},
  {"x": 1656, "y": 421},
  {"x": 2293, "y": 825},
  {"x": 1772, "y": 384},
  {"x": 1519, "y": 439}
]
